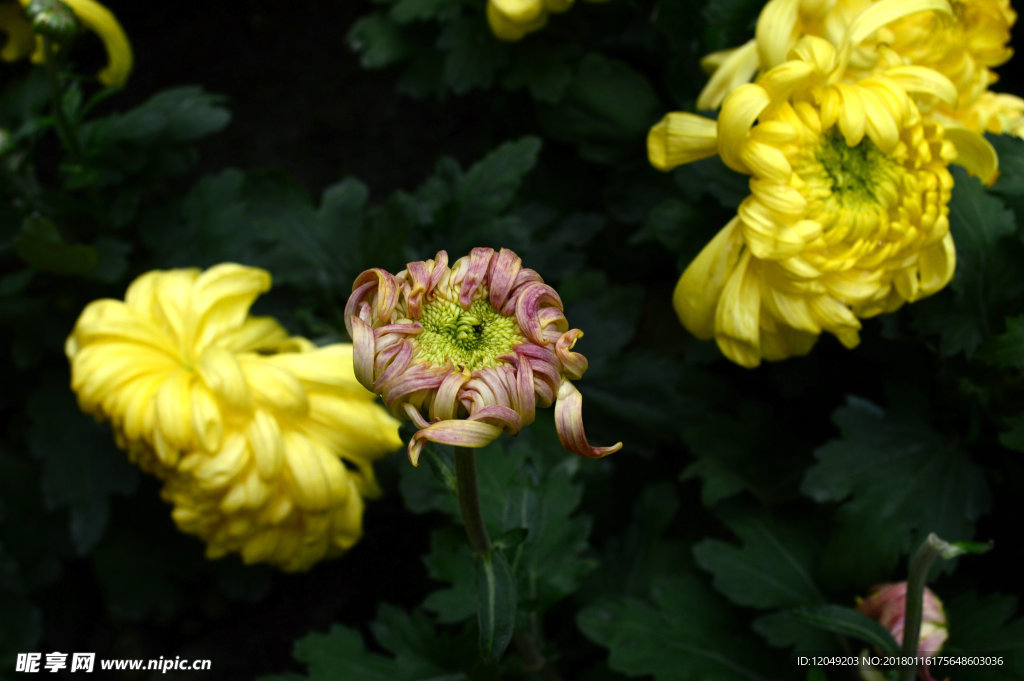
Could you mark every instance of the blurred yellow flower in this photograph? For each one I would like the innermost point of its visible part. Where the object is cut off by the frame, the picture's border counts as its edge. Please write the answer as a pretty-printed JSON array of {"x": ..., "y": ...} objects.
[
  {"x": 264, "y": 441},
  {"x": 847, "y": 215},
  {"x": 512, "y": 19},
  {"x": 963, "y": 40},
  {"x": 21, "y": 42}
]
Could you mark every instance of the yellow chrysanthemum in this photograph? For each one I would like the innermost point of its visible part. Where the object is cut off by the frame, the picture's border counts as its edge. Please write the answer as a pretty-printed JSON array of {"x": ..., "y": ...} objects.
[
  {"x": 513, "y": 19},
  {"x": 963, "y": 40},
  {"x": 847, "y": 215},
  {"x": 264, "y": 441},
  {"x": 21, "y": 42}
]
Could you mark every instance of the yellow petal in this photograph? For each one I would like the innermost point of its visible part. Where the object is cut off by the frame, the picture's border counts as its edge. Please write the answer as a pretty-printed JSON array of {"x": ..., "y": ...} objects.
[
  {"x": 732, "y": 68},
  {"x": 739, "y": 111},
  {"x": 776, "y": 31},
  {"x": 698, "y": 290},
  {"x": 885, "y": 12},
  {"x": 267, "y": 446},
  {"x": 223, "y": 296},
  {"x": 738, "y": 316},
  {"x": 681, "y": 138},
  {"x": 518, "y": 11},
  {"x": 974, "y": 153},
  {"x": 100, "y": 21}
]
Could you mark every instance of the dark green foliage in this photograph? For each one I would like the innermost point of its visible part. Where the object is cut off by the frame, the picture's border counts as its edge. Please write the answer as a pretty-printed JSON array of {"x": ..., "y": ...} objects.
[
  {"x": 747, "y": 510},
  {"x": 896, "y": 481}
]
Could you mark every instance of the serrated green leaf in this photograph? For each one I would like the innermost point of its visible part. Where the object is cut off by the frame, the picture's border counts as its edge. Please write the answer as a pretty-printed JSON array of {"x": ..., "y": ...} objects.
[
  {"x": 40, "y": 245},
  {"x": 896, "y": 480},
  {"x": 783, "y": 629},
  {"x": 1013, "y": 436},
  {"x": 1007, "y": 349},
  {"x": 406, "y": 11},
  {"x": 848, "y": 622},
  {"x": 378, "y": 40},
  {"x": 81, "y": 466},
  {"x": 986, "y": 282},
  {"x": 683, "y": 632},
  {"x": 771, "y": 569},
  {"x": 990, "y": 625},
  {"x": 489, "y": 185},
  {"x": 496, "y": 603},
  {"x": 474, "y": 55}
]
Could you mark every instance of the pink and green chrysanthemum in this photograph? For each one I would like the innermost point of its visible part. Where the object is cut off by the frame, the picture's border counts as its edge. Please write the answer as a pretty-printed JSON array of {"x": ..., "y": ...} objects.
[{"x": 469, "y": 351}]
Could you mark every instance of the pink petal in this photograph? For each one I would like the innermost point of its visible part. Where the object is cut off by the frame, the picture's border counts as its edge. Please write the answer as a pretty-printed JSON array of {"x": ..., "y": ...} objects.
[
  {"x": 528, "y": 306},
  {"x": 525, "y": 277},
  {"x": 444, "y": 406},
  {"x": 573, "y": 363},
  {"x": 419, "y": 274},
  {"x": 395, "y": 367},
  {"x": 362, "y": 351},
  {"x": 505, "y": 268},
  {"x": 569, "y": 424},
  {"x": 479, "y": 261},
  {"x": 457, "y": 433}
]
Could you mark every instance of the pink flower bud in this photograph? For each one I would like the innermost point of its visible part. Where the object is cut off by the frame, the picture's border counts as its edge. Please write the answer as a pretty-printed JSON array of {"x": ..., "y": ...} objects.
[{"x": 887, "y": 604}]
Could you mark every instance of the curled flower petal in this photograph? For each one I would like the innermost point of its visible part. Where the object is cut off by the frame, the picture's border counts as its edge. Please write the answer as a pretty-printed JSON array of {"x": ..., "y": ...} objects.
[{"x": 569, "y": 424}]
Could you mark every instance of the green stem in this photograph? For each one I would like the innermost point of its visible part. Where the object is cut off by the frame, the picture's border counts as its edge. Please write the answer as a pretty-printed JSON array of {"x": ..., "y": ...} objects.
[
  {"x": 920, "y": 564},
  {"x": 467, "y": 490},
  {"x": 64, "y": 128}
]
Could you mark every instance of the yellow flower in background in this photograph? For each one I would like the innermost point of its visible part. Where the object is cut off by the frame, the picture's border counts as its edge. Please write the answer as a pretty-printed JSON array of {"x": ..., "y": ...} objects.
[
  {"x": 512, "y": 19},
  {"x": 963, "y": 40},
  {"x": 19, "y": 41},
  {"x": 15, "y": 21},
  {"x": 264, "y": 441},
  {"x": 847, "y": 215}
]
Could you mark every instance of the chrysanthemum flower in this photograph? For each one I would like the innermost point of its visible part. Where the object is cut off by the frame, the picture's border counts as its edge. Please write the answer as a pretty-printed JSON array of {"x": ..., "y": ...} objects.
[
  {"x": 469, "y": 351},
  {"x": 21, "y": 42},
  {"x": 847, "y": 215},
  {"x": 964, "y": 45},
  {"x": 264, "y": 441},
  {"x": 513, "y": 19},
  {"x": 887, "y": 604}
]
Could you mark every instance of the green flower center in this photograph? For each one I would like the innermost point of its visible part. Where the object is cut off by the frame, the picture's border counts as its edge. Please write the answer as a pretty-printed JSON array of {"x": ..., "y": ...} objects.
[
  {"x": 858, "y": 175},
  {"x": 471, "y": 338}
]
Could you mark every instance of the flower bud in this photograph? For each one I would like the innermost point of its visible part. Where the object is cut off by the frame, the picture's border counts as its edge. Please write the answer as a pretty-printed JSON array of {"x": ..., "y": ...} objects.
[
  {"x": 887, "y": 603},
  {"x": 52, "y": 19}
]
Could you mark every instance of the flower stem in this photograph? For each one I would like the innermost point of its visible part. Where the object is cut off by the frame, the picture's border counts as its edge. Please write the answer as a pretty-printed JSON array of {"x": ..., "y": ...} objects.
[
  {"x": 468, "y": 492},
  {"x": 64, "y": 128},
  {"x": 920, "y": 564}
]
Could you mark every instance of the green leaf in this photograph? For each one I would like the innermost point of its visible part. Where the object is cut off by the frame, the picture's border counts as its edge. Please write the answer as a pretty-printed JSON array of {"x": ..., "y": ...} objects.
[
  {"x": 1007, "y": 349},
  {"x": 1013, "y": 436},
  {"x": 848, "y": 622},
  {"x": 783, "y": 629},
  {"x": 496, "y": 603},
  {"x": 771, "y": 569},
  {"x": 683, "y": 632},
  {"x": 407, "y": 11},
  {"x": 40, "y": 244},
  {"x": 378, "y": 40},
  {"x": 990, "y": 625},
  {"x": 896, "y": 480},
  {"x": 489, "y": 186},
  {"x": 987, "y": 282},
  {"x": 474, "y": 55},
  {"x": 81, "y": 467}
]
